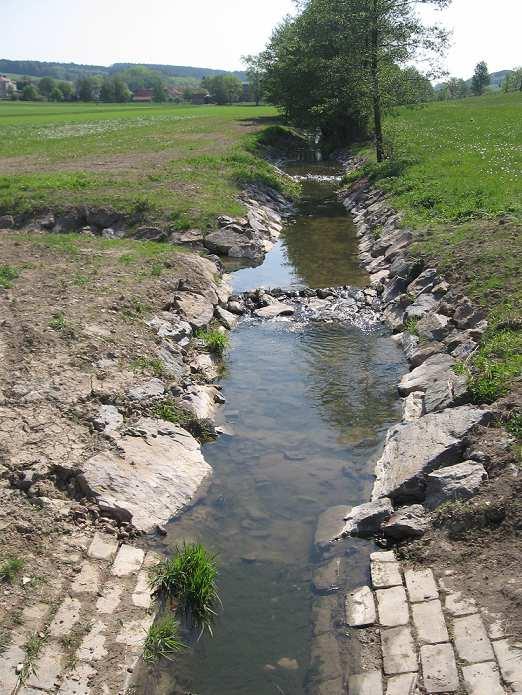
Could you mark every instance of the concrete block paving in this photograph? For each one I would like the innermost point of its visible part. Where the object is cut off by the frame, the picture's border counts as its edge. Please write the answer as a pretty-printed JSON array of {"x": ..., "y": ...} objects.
[
  {"x": 99, "y": 620},
  {"x": 433, "y": 640}
]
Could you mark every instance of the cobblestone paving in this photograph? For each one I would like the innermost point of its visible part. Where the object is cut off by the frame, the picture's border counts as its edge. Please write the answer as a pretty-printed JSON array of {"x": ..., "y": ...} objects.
[
  {"x": 87, "y": 642},
  {"x": 433, "y": 639}
]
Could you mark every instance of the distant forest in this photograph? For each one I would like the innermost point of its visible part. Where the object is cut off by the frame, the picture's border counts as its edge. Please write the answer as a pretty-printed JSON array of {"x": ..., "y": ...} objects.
[{"x": 181, "y": 74}]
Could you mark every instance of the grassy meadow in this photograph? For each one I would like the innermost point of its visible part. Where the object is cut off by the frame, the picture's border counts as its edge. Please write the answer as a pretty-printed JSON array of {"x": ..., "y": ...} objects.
[{"x": 175, "y": 163}]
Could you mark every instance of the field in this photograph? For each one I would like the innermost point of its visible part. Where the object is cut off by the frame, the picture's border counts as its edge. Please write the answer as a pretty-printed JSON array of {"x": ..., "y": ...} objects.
[{"x": 176, "y": 163}]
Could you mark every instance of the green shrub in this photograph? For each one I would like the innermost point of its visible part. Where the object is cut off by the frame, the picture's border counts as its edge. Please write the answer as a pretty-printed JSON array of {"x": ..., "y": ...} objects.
[
  {"x": 10, "y": 568},
  {"x": 162, "y": 641},
  {"x": 7, "y": 275},
  {"x": 497, "y": 364},
  {"x": 411, "y": 326},
  {"x": 188, "y": 581},
  {"x": 514, "y": 426},
  {"x": 215, "y": 341},
  {"x": 149, "y": 364}
]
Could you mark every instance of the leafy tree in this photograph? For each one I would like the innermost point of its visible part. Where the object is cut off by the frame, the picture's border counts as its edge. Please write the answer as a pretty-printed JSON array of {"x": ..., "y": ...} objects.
[
  {"x": 255, "y": 74},
  {"x": 457, "y": 88},
  {"x": 46, "y": 86},
  {"x": 88, "y": 88},
  {"x": 225, "y": 89},
  {"x": 513, "y": 81},
  {"x": 107, "y": 90},
  {"x": 480, "y": 79},
  {"x": 30, "y": 93},
  {"x": 67, "y": 89},
  {"x": 159, "y": 92},
  {"x": 56, "y": 94}
]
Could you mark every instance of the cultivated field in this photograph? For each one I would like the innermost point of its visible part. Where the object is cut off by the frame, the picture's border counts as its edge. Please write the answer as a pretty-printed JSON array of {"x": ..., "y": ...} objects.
[{"x": 176, "y": 163}]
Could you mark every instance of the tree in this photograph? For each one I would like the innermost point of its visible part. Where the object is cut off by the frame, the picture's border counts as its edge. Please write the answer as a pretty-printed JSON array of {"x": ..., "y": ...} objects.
[
  {"x": 67, "y": 89},
  {"x": 30, "y": 93},
  {"x": 513, "y": 81},
  {"x": 56, "y": 94},
  {"x": 255, "y": 74},
  {"x": 480, "y": 79},
  {"x": 88, "y": 88},
  {"x": 107, "y": 90},
  {"x": 46, "y": 86},
  {"x": 225, "y": 89},
  {"x": 159, "y": 93}
]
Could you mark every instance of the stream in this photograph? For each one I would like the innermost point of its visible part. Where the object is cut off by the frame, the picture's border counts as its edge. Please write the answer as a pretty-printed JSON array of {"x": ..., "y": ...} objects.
[{"x": 307, "y": 407}]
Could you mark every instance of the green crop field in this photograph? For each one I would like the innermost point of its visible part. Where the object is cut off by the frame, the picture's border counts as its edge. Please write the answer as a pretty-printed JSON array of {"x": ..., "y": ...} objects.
[{"x": 176, "y": 163}]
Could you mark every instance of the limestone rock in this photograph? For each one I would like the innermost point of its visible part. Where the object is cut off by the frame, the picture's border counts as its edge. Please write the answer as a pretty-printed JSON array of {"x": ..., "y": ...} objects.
[
  {"x": 458, "y": 482},
  {"x": 366, "y": 519},
  {"x": 407, "y": 522},
  {"x": 227, "y": 318},
  {"x": 433, "y": 327},
  {"x": 108, "y": 418},
  {"x": 189, "y": 237},
  {"x": 437, "y": 380},
  {"x": 414, "y": 449},
  {"x": 200, "y": 400},
  {"x": 273, "y": 310},
  {"x": 228, "y": 242},
  {"x": 197, "y": 310},
  {"x": 150, "y": 389},
  {"x": 413, "y": 406},
  {"x": 330, "y": 525},
  {"x": 152, "y": 478}
]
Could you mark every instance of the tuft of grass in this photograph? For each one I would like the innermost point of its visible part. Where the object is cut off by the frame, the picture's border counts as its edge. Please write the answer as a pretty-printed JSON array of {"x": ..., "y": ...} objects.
[
  {"x": 149, "y": 365},
  {"x": 514, "y": 426},
  {"x": 188, "y": 581},
  {"x": 7, "y": 274},
  {"x": 411, "y": 326},
  {"x": 5, "y": 640},
  {"x": 168, "y": 410},
  {"x": 32, "y": 649},
  {"x": 10, "y": 569},
  {"x": 496, "y": 365},
  {"x": 162, "y": 641},
  {"x": 215, "y": 341}
]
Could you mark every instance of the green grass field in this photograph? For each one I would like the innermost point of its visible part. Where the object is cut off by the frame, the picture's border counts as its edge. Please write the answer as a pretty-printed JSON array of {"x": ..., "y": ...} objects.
[{"x": 176, "y": 163}]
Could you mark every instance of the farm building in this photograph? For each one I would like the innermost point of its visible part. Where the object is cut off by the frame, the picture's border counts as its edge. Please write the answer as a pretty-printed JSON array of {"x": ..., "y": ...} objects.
[
  {"x": 143, "y": 95},
  {"x": 6, "y": 87}
]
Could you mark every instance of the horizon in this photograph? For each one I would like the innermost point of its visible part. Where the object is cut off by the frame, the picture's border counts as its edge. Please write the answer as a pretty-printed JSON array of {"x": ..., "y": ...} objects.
[{"x": 490, "y": 36}]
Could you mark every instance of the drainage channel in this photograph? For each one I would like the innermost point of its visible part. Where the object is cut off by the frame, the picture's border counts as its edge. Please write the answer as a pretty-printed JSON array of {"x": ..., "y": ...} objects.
[{"x": 307, "y": 408}]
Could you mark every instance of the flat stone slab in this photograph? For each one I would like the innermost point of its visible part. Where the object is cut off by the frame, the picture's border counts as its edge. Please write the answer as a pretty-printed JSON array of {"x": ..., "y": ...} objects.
[
  {"x": 471, "y": 639},
  {"x": 66, "y": 617},
  {"x": 151, "y": 478},
  {"x": 330, "y": 525},
  {"x": 456, "y": 604},
  {"x": 366, "y": 684},
  {"x": 150, "y": 389},
  {"x": 458, "y": 482},
  {"x": 92, "y": 647},
  {"x": 385, "y": 574},
  {"x": 102, "y": 547},
  {"x": 439, "y": 668},
  {"x": 392, "y": 606},
  {"x": 482, "y": 679},
  {"x": 405, "y": 684},
  {"x": 509, "y": 658},
  {"x": 141, "y": 596},
  {"x": 272, "y": 311},
  {"x": 360, "y": 608},
  {"x": 429, "y": 622},
  {"x": 365, "y": 520},
  {"x": 421, "y": 585},
  {"x": 110, "y": 598},
  {"x": 128, "y": 561},
  {"x": 76, "y": 682},
  {"x": 326, "y": 579},
  {"x": 49, "y": 667},
  {"x": 12, "y": 656},
  {"x": 133, "y": 632},
  {"x": 398, "y": 651},
  {"x": 414, "y": 449},
  {"x": 87, "y": 581}
]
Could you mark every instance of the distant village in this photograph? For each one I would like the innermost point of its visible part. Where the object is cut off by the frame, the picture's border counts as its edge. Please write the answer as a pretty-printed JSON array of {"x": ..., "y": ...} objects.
[{"x": 141, "y": 86}]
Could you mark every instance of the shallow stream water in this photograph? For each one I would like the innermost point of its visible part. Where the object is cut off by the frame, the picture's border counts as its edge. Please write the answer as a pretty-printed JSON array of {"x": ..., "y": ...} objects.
[{"x": 308, "y": 407}]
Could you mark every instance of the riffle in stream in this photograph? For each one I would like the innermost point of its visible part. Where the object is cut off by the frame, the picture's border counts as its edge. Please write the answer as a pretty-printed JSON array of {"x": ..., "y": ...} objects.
[{"x": 307, "y": 408}]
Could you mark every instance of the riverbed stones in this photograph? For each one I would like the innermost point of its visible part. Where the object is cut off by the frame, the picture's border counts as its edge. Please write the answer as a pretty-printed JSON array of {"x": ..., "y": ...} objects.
[
  {"x": 414, "y": 449},
  {"x": 458, "y": 482},
  {"x": 365, "y": 683},
  {"x": 407, "y": 522},
  {"x": 439, "y": 668},
  {"x": 360, "y": 608},
  {"x": 366, "y": 519},
  {"x": 197, "y": 310},
  {"x": 150, "y": 478},
  {"x": 392, "y": 606},
  {"x": 330, "y": 526},
  {"x": 398, "y": 651},
  {"x": 272, "y": 311}
]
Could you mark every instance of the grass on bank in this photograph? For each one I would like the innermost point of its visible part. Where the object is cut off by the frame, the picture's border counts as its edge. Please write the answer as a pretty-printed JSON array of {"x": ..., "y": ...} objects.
[
  {"x": 216, "y": 342},
  {"x": 455, "y": 170},
  {"x": 10, "y": 568},
  {"x": 188, "y": 582},
  {"x": 174, "y": 164},
  {"x": 7, "y": 275},
  {"x": 162, "y": 641}
]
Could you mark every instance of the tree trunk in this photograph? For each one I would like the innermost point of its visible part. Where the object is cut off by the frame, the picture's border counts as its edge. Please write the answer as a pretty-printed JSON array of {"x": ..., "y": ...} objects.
[{"x": 376, "y": 89}]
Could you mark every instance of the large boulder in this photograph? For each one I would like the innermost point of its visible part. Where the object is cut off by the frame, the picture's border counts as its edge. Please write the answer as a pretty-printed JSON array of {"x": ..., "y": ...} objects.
[
  {"x": 330, "y": 526},
  {"x": 151, "y": 478},
  {"x": 366, "y": 519},
  {"x": 407, "y": 522},
  {"x": 414, "y": 449},
  {"x": 197, "y": 310},
  {"x": 459, "y": 482},
  {"x": 437, "y": 380},
  {"x": 272, "y": 311},
  {"x": 433, "y": 327},
  {"x": 228, "y": 242}
]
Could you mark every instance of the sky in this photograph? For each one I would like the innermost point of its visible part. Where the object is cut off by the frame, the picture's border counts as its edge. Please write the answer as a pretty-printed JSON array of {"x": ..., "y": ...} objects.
[{"x": 216, "y": 33}]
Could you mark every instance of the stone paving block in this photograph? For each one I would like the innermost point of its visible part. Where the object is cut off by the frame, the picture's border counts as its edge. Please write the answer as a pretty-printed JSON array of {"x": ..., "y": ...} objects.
[
  {"x": 128, "y": 561},
  {"x": 496, "y": 626},
  {"x": 76, "y": 682},
  {"x": 103, "y": 547},
  {"x": 398, "y": 651},
  {"x": 133, "y": 632},
  {"x": 366, "y": 684},
  {"x": 421, "y": 585},
  {"x": 429, "y": 622},
  {"x": 110, "y": 598},
  {"x": 151, "y": 559},
  {"x": 66, "y": 617},
  {"x": 482, "y": 679},
  {"x": 471, "y": 640},
  {"x": 385, "y": 574},
  {"x": 457, "y": 605},
  {"x": 392, "y": 606},
  {"x": 87, "y": 581},
  {"x": 48, "y": 667},
  {"x": 92, "y": 647},
  {"x": 9, "y": 660},
  {"x": 510, "y": 661},
  {"x": 141, "y": 597},
  {"x": 439, "y": 668},
  {"x": 360, "y": 608},
  {"x": 405, "y": 684},
  {"x": 383, "y": 556}
]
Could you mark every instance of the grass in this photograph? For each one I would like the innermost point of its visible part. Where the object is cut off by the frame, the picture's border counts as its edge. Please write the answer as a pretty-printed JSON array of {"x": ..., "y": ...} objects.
[
  {"x": 150, "y": 365},
  {"x": 215, "y": 341},
  {"x": 7, "y": 275},
  {"x": 32, "y": 648},
  {"x": 177, "y": 164},
  {"x": 188, "y": 581},
  {"x": 10, "y": 568},
  {"x": 162, "y": 641},
  {"x": 168, "y": 410},
  {"x": 411, "y": 326}
]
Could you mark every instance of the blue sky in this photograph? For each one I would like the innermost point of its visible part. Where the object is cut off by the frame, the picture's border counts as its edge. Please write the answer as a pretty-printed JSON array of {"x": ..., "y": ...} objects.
[{"x": 215, "y": 33}]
